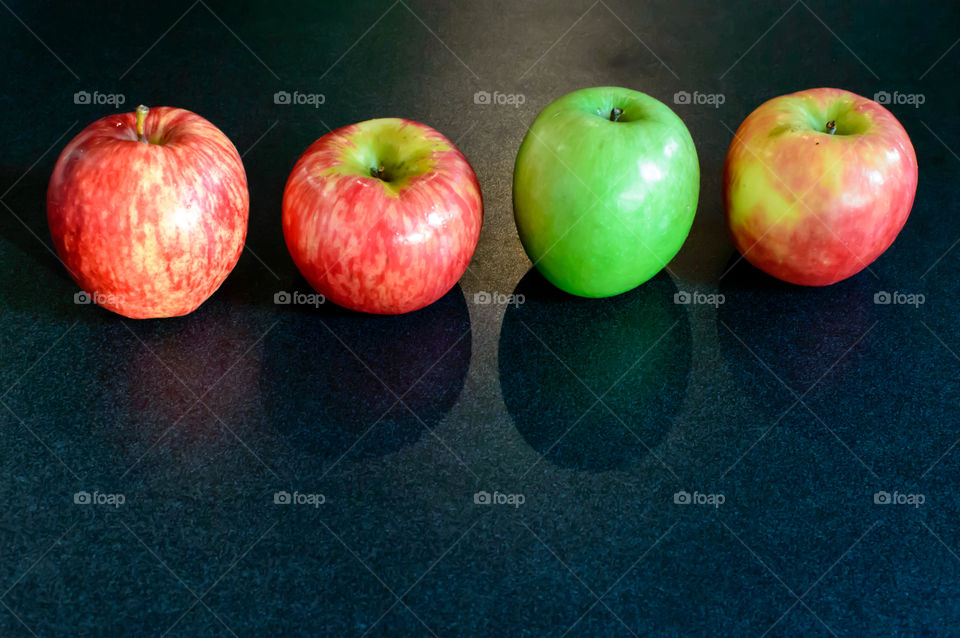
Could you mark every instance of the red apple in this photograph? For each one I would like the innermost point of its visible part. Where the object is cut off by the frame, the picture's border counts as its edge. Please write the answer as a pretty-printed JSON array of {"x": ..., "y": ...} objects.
[
  {"x": 817, "y": 184},
  {"x": 382, "y": 216},
  {"x": 148, "y": 211}
]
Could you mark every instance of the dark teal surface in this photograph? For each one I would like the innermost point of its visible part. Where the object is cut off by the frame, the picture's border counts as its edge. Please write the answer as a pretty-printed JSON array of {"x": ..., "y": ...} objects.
[{"x": 794, "y": 406}]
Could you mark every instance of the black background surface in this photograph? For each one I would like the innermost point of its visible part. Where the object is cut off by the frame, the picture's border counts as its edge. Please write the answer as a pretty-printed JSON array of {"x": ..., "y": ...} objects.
[{"x": 797, "y": 405}]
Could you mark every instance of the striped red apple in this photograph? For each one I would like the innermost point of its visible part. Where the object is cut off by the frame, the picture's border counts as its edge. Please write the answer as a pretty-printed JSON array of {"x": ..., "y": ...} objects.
[
  {"x": 817, "y": 185},
  {"x": 148, "y": 211},
  {"x": 382, "y": 216}
]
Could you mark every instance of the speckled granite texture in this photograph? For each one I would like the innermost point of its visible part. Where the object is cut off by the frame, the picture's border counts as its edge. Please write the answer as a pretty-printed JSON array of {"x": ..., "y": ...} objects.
[{"x": 783, "y": 410}]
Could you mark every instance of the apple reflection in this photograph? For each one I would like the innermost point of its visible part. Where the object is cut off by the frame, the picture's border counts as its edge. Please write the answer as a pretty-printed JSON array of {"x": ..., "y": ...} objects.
[
  {"x": 168, "y": 365},
  {"x": 114, "y": 394},
  {"x": 332, "y": 377},
  {"x": 558, "y": 353}
]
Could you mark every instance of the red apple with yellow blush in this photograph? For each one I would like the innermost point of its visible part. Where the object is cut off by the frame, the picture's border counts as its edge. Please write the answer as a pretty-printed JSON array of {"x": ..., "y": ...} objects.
[{"x": 817, "y": 185}]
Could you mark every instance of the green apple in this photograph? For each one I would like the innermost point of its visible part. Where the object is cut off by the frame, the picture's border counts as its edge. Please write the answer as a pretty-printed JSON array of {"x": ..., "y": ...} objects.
[{"x": 605, "y": 188}]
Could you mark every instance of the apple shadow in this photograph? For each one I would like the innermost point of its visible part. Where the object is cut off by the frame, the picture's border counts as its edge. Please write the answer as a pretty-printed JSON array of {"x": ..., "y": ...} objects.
[
  {"x": 341, "y": 383},
  {"x": 559, "y": 353}
]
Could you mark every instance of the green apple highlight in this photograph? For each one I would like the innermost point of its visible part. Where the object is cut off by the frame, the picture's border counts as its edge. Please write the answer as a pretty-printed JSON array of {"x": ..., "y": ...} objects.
[{"x": 605, "y": 189}]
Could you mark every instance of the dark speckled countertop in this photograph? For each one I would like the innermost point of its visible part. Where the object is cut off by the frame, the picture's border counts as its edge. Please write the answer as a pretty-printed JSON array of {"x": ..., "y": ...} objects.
[{"x": 785, "y": 410}]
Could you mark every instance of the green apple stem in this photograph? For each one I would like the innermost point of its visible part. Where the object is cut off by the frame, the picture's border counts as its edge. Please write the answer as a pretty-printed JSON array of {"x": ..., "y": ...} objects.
[
  {"x": 141, "y": 118},
  {"x": 831, "y": 127},
  {"x": 615, "y": 114}
]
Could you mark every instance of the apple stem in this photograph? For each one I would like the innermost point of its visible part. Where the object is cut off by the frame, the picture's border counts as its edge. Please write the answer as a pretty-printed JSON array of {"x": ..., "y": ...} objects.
[
  {"x": 377, "y": 172},
  {"x": 615, "y": 114},
  {"x": 141, "y": 118},
  {"x": 831, "y": 127}
]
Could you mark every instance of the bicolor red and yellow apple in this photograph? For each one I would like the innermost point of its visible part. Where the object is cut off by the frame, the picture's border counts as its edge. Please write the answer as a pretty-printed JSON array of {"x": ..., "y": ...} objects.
[
  {"x": 817, "y": 184},
  {"x": 382, "y": 216},
  {"x": 148, "y": 211}
]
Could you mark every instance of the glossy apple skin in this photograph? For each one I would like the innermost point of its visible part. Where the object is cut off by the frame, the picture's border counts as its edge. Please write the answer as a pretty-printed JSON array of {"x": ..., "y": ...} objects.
[
  {"x": 376, "y": 246},
  {"x": 603, "y": 206},
  {"x": 149, "y": 229},
  {"x": 813, "y": 208}
]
